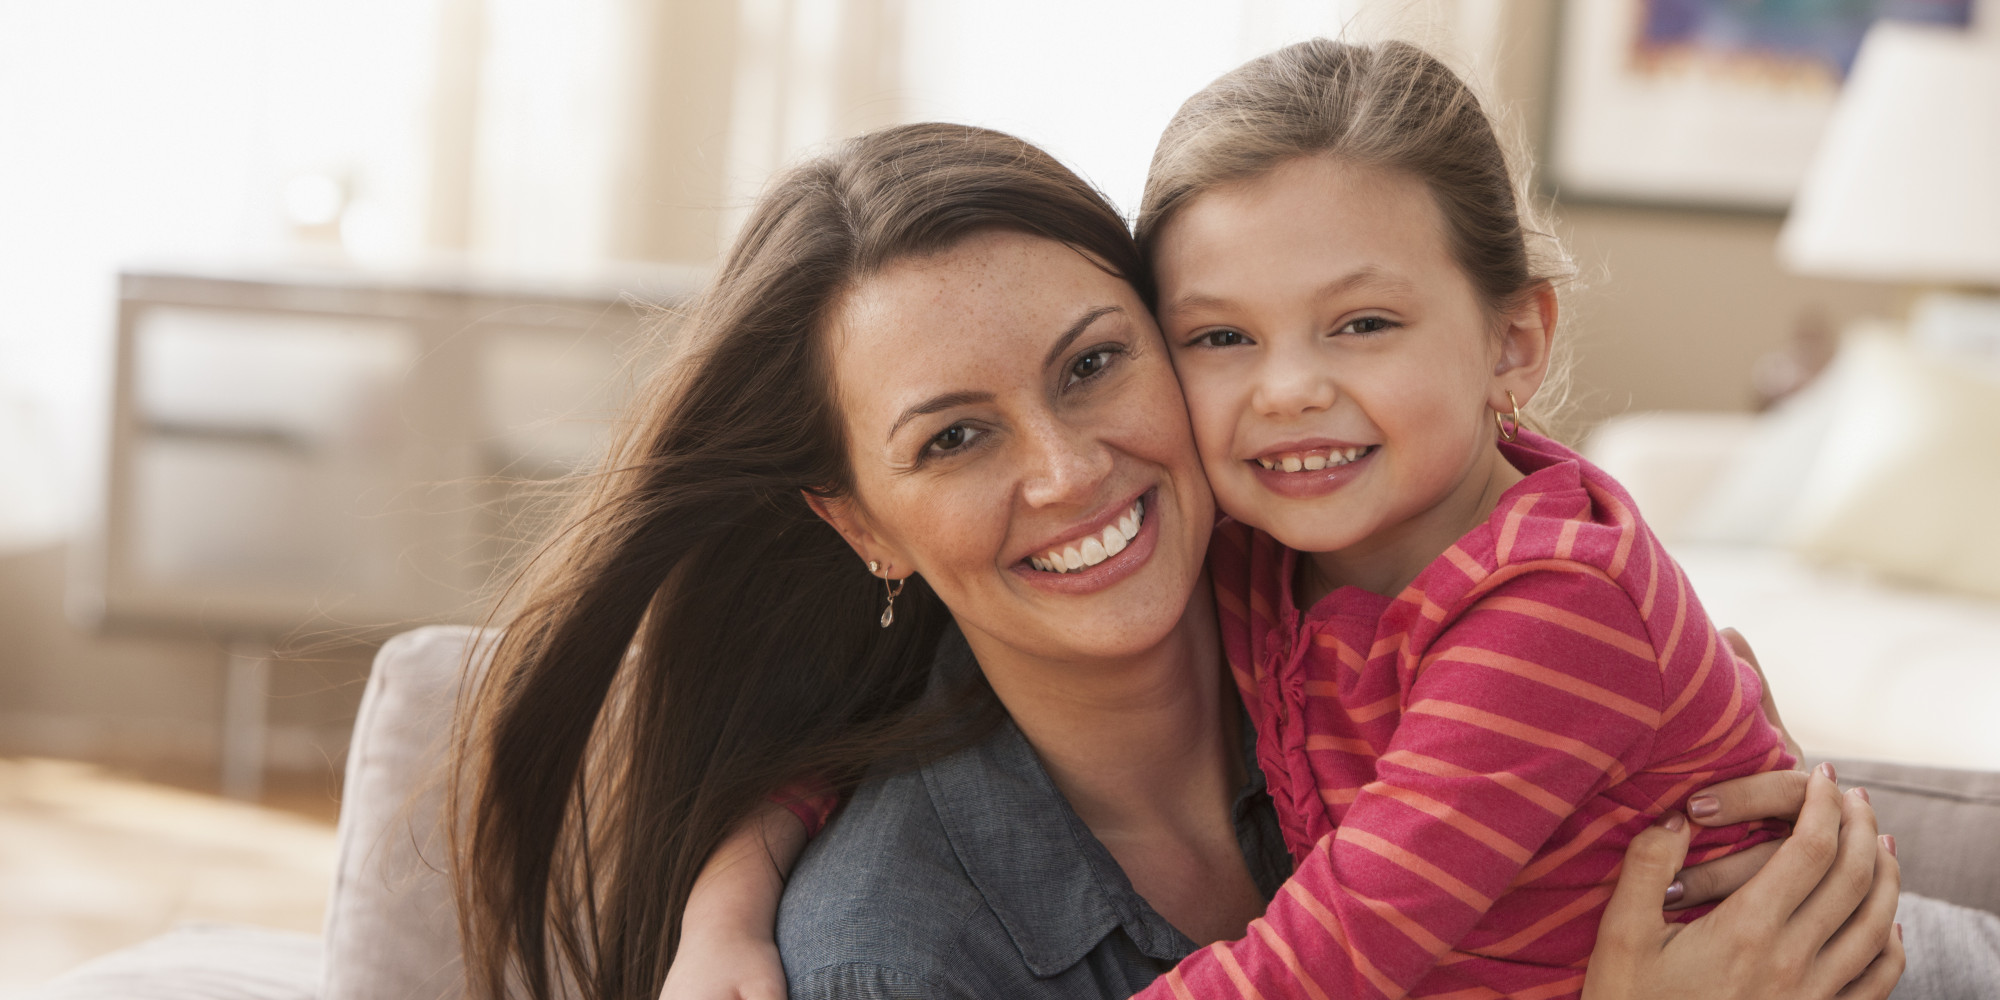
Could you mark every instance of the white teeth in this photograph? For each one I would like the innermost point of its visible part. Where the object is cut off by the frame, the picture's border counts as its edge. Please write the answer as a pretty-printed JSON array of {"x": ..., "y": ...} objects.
[
  {"x": 1096, "y": 548},
  {"x": 1314, "y": 463},
  {"x": 1292, "y": 463},
  {"x": 1093, "y": 551}
]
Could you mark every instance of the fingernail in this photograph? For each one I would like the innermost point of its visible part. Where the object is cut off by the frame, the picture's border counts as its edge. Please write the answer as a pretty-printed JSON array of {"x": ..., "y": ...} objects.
[
  {"x": 1704, "y": 806},
  {"x": 1826, "y": 770},
  {"x": 1676, "y": 891},
  {"x": 1863, "y": 792},
  {"x": 1674, "y": 821},
  {"x": 1889, "y": 843},
  {"x": 1899, "y": 930}
]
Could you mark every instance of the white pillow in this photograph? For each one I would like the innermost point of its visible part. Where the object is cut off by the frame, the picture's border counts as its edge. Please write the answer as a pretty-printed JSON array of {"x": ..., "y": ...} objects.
[
  {"x": 1906, "y": 480},
  {"x": 1761, "y": 483}
]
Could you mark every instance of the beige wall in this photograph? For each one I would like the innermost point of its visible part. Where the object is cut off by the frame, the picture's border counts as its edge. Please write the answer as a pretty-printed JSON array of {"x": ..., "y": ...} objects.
[{"x": 1673, "y": 307}]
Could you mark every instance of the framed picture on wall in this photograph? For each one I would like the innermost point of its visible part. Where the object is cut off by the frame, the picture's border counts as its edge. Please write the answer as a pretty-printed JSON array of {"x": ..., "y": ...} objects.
[{"x": 1715, "y": 103}]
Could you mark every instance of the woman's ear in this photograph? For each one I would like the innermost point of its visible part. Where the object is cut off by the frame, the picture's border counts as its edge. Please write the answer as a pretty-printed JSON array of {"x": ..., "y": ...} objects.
[
  {"x": 1526, "y": 342},
  {"x": 852, "y": 523}
]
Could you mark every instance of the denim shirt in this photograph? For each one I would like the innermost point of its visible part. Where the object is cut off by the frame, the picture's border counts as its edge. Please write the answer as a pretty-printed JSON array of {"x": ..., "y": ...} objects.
[{"x": 973, "y": 877}]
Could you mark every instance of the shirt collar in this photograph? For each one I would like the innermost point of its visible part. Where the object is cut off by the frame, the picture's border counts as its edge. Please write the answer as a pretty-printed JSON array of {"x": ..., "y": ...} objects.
[{"x": 1052, "y": 885}]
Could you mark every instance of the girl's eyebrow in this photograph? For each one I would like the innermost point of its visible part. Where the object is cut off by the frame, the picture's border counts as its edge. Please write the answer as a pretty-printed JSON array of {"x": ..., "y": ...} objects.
[{"x": 1366, "y": 277}]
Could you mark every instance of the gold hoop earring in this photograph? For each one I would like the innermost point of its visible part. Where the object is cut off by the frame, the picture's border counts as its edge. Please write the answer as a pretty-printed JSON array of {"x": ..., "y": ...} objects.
[
  {"x": 889, "y": 611},
  {"x": 1509, "y": 431}
]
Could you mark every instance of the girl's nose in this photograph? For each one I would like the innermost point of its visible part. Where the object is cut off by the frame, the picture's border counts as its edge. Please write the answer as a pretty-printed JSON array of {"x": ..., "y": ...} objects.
[
  {"x": 1289, "y": 385},
  {"x": 1065, "y": 465}
]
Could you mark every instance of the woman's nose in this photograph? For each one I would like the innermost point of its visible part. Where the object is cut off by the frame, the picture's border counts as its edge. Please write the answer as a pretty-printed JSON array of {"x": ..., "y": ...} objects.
[
  {"x": 1289, "y": 385},
  {"x": 1065, "y": 465}
]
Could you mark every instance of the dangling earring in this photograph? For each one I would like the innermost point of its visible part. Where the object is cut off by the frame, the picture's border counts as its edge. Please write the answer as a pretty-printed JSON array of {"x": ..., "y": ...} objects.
[
  {"x": 889, "y": 611},
  {"x": 1510, "y": 425}
]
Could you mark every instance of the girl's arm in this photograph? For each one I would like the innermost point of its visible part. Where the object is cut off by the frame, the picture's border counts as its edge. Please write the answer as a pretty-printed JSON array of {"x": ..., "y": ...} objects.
[
  {"x": 1510, "y": 727},
  {"x": 727, "y": 949}
]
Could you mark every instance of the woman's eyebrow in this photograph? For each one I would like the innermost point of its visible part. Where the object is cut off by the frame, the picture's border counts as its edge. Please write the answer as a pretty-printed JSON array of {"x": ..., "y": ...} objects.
[
  {"x": 946, "y": 401},
  {"x": 1076, "y": 330},
  {"x": 936, "y": 404}
]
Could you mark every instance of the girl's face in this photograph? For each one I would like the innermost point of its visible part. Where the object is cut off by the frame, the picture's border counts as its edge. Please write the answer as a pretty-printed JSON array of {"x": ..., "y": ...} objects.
[
  {"x": 1009, "y": 406},
  {"x": 1339, "y": 367}
]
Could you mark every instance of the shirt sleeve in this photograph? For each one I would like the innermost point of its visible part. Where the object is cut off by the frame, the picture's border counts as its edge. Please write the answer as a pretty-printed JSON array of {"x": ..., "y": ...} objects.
[{"x": 1540, "y": 695}]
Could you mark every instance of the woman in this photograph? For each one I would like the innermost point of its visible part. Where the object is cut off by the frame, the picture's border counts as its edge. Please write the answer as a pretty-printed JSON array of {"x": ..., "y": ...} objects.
[{"x": 927, "y": 360}]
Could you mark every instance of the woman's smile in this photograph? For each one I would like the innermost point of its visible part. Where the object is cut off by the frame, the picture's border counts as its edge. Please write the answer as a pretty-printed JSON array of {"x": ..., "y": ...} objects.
[{"x": 1114, "y": 546}]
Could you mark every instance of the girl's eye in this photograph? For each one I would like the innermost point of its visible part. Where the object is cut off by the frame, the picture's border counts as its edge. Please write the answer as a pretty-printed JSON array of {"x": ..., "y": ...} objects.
[
  {"x": 1090, "y": 364},
  {"x": 951, "y": 439},
  {"x": 1224, "y": 337},
  {"x": 1366, "y": 325}
]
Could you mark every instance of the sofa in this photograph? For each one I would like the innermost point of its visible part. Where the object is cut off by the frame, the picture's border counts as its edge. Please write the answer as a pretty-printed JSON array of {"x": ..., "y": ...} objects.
[{"x": 390, "y": 933}]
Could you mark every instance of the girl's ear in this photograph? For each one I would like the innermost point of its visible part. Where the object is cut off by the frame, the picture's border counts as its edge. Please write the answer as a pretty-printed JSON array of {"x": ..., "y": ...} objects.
[
  {"x": 1526, "y": 342},
  {"x": 852, "y": 523}
]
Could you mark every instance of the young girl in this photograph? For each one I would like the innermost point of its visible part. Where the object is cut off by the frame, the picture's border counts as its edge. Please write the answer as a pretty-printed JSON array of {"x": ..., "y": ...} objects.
[{"x": 1474, "y": 673}]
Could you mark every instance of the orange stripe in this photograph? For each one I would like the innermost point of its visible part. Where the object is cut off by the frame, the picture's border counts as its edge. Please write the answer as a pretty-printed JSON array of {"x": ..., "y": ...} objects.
[
  {"x": 1344, "y": 744},
  {"x": 1505, "y": 779},
  {"x": 1519, "y": 730},
  {"x": 1681, "y": 601},
  {"x": 1498, "y": 842},
  {"x": 1416, "y": 866},
  {"x": 1511, "y": 527},
  {"x": 1642, "y": 714},
  {"x": 1621, "y": 517},
  {"x": 1576, "y": 908},
  {"x": 1465, "y": 563},
  {"x": 1566, "y": 539},
  {"x": 1418, "y": 934},
  {"x": 1244, "y": 987},
  {"x": 1589, "y": 628},
  {"x": 1555, "y": 989},
  {"x": 1376, "y": 709},
  {"x": 1585, "y": 839},
  {"x": 1511, "y": 570},
  {"x": 1173, "y": 978},
  {"x": 1228, "y": 601},
  {"x": 1341, "y": 651},
  {"x": 1694, "y": 685},
  {"x": 1475, "y": 993},
  {"x": 1318, "y": 911},
  {"x": 1283, "y": 949},
  {"x": 1338, "y": 796}
]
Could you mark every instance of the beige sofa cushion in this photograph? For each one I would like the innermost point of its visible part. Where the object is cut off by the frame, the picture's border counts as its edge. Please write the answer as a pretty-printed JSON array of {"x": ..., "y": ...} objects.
[
  {"x": 1905, "y": 481},
  {"x": 391, "y": 930}
]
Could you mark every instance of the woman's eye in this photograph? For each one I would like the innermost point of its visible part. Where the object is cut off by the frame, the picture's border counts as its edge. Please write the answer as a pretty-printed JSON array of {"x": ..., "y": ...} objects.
[
  {"x": 1089, "y": 364},
  {"x": 952, "y": 439},
  {"x": 1221, "y": 338},
  {"x": 1367, "y": 324}
]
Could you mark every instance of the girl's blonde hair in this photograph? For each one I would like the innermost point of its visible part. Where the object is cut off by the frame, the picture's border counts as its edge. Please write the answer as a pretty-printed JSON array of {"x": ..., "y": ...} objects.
[{"x": 1391, "y": 105}]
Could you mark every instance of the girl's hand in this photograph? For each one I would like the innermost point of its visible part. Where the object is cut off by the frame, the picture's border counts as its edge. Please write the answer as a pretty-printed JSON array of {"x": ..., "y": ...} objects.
[
  {"x": 718, "y": 965},
  {"x": 728, "y": 949},
  {"x": 1816, "y": 923}
]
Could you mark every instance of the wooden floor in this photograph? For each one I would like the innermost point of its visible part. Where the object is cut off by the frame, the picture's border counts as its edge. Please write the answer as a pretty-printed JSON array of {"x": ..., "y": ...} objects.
[{"x": 92, "y": 861}]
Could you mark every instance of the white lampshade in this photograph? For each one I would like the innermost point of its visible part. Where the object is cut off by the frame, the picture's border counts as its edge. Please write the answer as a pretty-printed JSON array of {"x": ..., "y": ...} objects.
[{"x": 1906, "y": 184}]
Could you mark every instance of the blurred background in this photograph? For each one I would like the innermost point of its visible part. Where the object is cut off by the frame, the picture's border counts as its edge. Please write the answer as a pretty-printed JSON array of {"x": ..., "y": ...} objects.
[{"x": 300, "y": 299}]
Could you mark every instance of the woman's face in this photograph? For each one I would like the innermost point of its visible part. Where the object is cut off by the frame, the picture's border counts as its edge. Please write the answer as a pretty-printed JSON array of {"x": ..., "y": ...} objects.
[{"x": 1018, "y": 439}]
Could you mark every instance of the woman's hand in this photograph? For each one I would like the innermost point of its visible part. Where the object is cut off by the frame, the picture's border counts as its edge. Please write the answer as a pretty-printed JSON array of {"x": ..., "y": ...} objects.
[{"x": 1817, "y": 922}]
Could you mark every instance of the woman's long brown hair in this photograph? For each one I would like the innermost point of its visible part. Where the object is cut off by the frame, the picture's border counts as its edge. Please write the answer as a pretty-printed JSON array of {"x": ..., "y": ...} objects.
[{"x": 695, "y": 637}]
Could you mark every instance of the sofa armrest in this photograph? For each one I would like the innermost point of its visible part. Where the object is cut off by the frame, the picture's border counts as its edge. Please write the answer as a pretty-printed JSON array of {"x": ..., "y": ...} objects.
[
  {"x": 391, "y": 926},
  {"x": 1946, "y": 823},
  {"x": 198, "y": 962}
]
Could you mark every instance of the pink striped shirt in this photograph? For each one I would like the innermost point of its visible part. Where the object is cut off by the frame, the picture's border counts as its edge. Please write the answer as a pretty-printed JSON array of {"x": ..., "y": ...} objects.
[{"x": 1458, "y": 769}]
